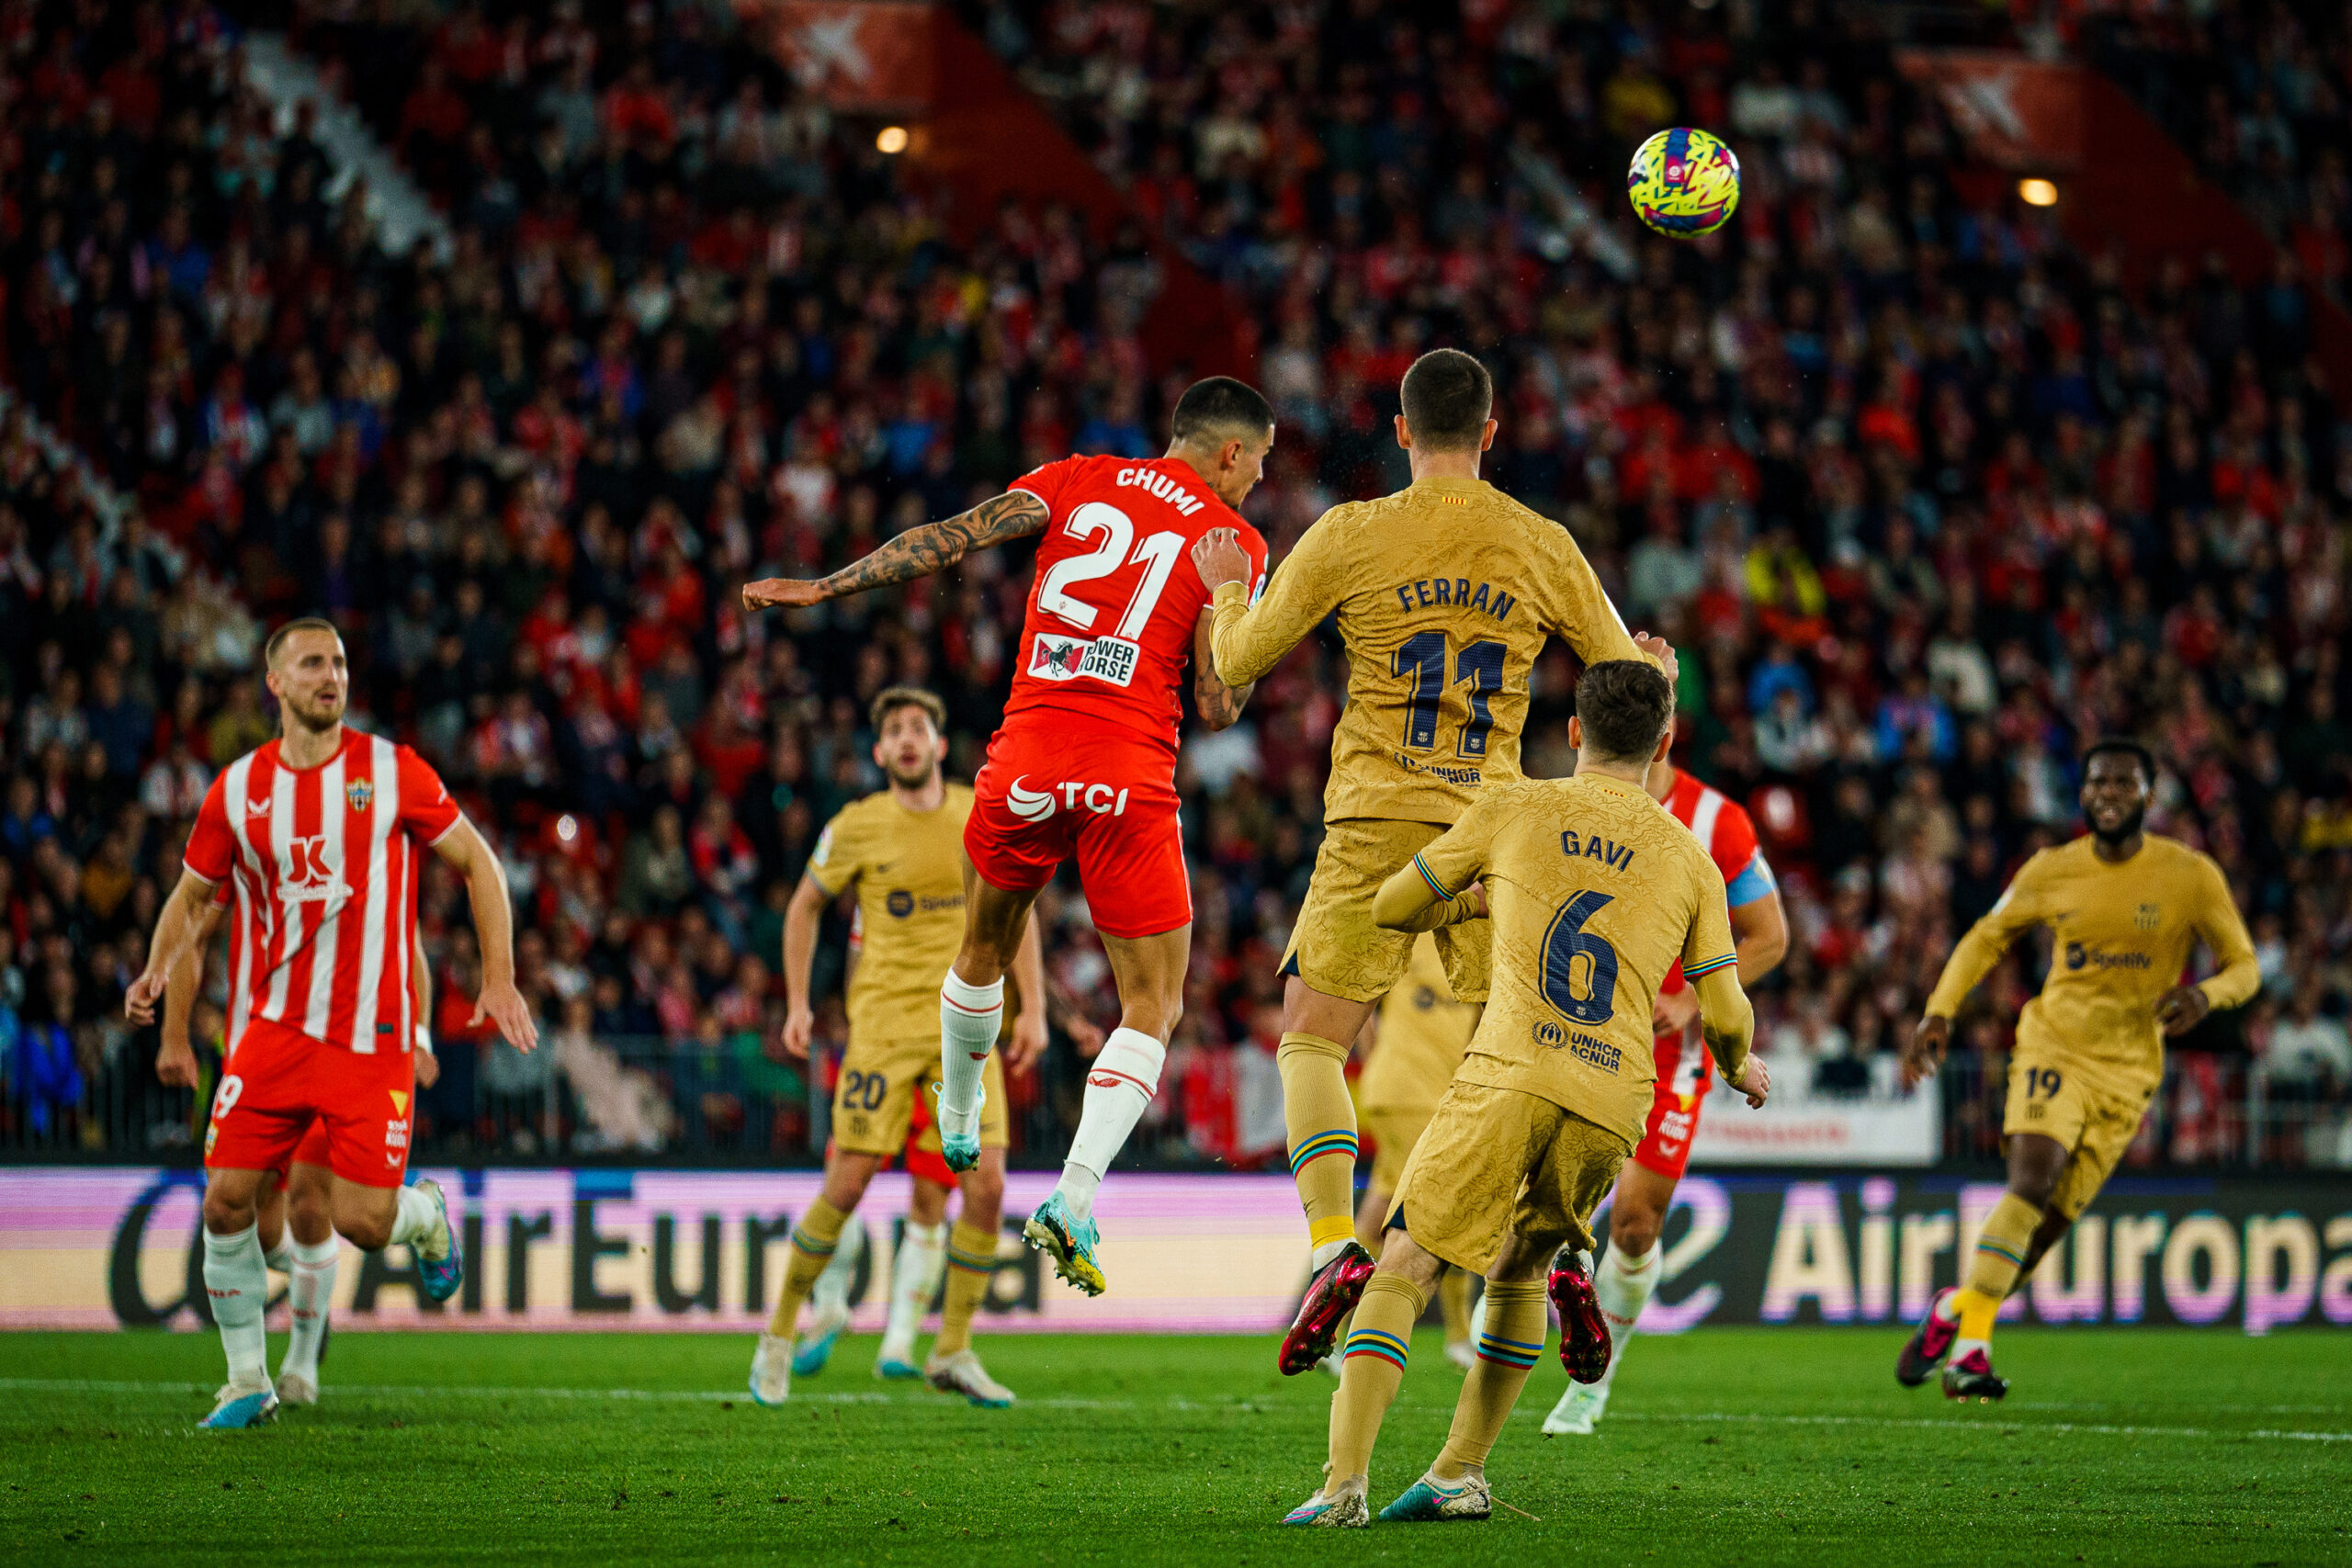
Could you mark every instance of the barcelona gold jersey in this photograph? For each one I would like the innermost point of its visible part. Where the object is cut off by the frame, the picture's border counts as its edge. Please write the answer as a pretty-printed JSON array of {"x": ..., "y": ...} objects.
[
  {"x": 1422, "y": 1033},
  {"x": 1594, "y": 892},
  {"x": 1445, "y": 593},
  {"x": 908, "y": 869},
  {"x": 2123, "y": 933}
]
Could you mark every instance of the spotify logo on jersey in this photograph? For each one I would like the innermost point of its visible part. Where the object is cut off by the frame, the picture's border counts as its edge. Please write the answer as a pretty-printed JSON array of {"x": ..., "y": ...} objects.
[{"x": 902, "y": 903}]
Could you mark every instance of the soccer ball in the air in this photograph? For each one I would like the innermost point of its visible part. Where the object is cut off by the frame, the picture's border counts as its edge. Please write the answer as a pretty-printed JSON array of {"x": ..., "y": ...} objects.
[{"x": 1684, "y": 183}]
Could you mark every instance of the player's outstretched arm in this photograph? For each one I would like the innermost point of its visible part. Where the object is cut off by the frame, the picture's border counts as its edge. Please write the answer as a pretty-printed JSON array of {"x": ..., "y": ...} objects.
[
  {"x": 1409, "y": 901},
  {"x": 175, "y": 934},
  {"x": 918, "y": 552},
  {"x": 800, "y": 918},
  {"x": 464, "y": 849},
  {"x": 1246, "y": 640},
  {"x": 1727, "y": 1023},
  {"x": 176, "y": 1054},
  {"x": 1219, "y": 705}
]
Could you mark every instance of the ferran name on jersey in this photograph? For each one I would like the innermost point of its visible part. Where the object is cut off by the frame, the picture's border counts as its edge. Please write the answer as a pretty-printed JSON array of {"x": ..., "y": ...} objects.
[
  {"x": 1428, "y": 592},
  {"x": 1108, "y": 659},
  {"x": 1606, "y": 851}
]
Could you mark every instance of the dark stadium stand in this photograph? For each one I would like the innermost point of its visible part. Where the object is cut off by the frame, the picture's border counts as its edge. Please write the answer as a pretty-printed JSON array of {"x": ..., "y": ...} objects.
[{"x": 1928, "y": 499}]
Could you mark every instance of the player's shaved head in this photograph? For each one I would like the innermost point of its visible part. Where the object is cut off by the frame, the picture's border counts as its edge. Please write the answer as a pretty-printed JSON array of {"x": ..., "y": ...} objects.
[
  {"x": 2128, "y": 752},
  {"x": 1448, "y": 398},
  {"x": 1218, "y": 409},
  {"x": 1623, "y": 707},
  {"x": 286, "y": 633}
]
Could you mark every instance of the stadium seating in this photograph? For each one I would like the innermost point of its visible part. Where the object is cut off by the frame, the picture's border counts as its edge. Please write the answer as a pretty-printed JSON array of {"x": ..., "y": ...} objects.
[{"x": 1926, "y": 499}]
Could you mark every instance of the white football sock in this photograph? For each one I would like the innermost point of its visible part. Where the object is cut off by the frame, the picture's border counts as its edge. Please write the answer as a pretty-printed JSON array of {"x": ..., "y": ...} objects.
[
  {"x": 236, "y": 1279},
  {"x": 968, "y": 1018},
  {"x": 1946, "y": 1308},
  {"x": 417, "y": 1221},
  {"x": 281, "y": 1256},
  {"x": 310, "y": 1293},
  {"x": 914, "y": 1280},
  {"x": 1119, "y": 1084},
  {"x": 830, "y": 1292},
  {"x": 1624, "y": 1285},
  {"x": 1961, "y": 1347}
]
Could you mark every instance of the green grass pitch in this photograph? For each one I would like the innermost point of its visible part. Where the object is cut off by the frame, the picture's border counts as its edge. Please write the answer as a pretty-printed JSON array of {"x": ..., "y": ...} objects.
[{"x": 1724, "y": 1445}]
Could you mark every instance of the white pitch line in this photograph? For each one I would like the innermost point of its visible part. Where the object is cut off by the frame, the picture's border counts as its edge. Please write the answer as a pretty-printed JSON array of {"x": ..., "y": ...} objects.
[
  {"x": 2092, "y": 1428},
  {"x": 411, "y": 1391},
  {"x": 402, "y": 1390}
]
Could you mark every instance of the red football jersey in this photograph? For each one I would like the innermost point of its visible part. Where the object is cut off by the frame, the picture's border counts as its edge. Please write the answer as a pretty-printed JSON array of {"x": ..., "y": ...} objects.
[
  {"x": 304, "y": 848},
  {"x": 1116, "y": 600},
  {"x": 1723, "y": 825}
]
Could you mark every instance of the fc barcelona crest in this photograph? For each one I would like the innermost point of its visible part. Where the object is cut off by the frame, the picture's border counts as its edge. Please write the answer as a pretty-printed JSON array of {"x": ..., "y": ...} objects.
[{"x": 361, "y": 793}]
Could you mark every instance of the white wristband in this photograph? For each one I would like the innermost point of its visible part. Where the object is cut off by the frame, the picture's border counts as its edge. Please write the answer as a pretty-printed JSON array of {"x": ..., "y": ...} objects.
[{"x": 424, "y": 1040}]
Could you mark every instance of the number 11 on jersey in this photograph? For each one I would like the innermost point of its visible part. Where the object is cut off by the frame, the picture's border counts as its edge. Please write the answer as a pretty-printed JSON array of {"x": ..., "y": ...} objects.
[{"x": 1420, "y": 659}]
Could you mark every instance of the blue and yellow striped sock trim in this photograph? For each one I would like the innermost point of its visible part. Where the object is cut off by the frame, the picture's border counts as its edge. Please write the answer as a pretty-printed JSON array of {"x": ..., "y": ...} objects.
[
  {"x": 1987, "y": 1243},
  {"x": 801, "y": 1242},
  {"x": 1337, "y": 1141},
  {"x": 971, "y": 1262},
  {"x": 1435, "y": 885},
  {"x": 1693, "y": 971},
  {"x": 1509, "y": 1352},
  {"x": 1388, "y": 1347}
]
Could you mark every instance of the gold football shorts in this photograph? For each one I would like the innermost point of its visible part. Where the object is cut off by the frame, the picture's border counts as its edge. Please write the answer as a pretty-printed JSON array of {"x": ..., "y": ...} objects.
[
  {"x": 1496, "y": 1159},
  {"x": 1336, "y": 948},
  {"x": 1395, "y": 1130},
  {"x": 873, "y": 1098},
  {"x": 2089, "y": 1117}
]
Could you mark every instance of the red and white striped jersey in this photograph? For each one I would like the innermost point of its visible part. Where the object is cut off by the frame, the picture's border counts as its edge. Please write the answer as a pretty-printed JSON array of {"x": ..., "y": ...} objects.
[
  {"x": 322, "y": 862},
  {"x": 1727, "y": 833}
]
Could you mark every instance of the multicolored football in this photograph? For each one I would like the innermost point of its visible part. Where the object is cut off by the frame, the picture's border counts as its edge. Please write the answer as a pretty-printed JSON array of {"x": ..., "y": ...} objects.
[{"x": 1684, "y": 183}]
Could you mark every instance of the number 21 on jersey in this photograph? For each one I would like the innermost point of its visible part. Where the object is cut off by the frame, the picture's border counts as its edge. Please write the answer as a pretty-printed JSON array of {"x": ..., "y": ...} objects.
[{"x": 1157, "y": 554}]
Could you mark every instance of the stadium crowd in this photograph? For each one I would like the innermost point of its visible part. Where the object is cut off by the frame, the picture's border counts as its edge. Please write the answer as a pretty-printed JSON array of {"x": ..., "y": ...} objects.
[{"x": 1926, "y": 499}]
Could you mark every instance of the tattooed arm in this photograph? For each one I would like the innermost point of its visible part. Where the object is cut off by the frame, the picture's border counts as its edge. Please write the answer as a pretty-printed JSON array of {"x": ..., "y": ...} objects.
[
  {"x": 1219, "y": 705},
  {"x": 918, "y": 552}
]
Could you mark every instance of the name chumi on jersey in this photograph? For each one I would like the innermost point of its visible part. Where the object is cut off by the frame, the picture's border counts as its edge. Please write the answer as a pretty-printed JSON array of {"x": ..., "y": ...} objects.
[
  {"x": 1608, "y": 852},
  {"x": 1453, "y": 593},
  {"x": 1165, "y": 489}
]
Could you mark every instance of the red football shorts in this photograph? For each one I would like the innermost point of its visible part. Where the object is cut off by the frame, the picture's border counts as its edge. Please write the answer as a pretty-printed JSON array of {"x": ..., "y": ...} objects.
[
  {"x": 285, "y": 1093},
  {"x": 312, "y": 1150},
  {"x": 1684, "y": 1075},
  {"x": 924, "y": 1159},
  {"x": 1054, "y": 787}
]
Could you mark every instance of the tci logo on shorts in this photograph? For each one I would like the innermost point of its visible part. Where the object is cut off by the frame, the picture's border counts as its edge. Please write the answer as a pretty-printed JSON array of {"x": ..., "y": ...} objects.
[{"x": 1036, "y": 805}]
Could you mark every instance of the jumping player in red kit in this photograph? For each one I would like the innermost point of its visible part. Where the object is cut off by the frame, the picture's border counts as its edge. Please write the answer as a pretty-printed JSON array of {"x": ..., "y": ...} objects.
[
  {"x": 1085, "y": 763},
  {"x": 317, "y": 832},
  {"x": 1628, "y": 1273}
]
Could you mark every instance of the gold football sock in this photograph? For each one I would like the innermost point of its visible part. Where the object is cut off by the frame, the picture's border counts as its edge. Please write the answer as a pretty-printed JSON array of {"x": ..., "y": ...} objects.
[
  {"x": 971, "y": 1260},
  {"x": 1373, "y": 1367},
  {"x": 1453, "y": 1305},
  {"x": 1509, "y": 1345},
  {"x": 2000, "y": 1253},
  {"x": 1321, "y": 1120},
  {"x": 813, "y": 1240}
]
